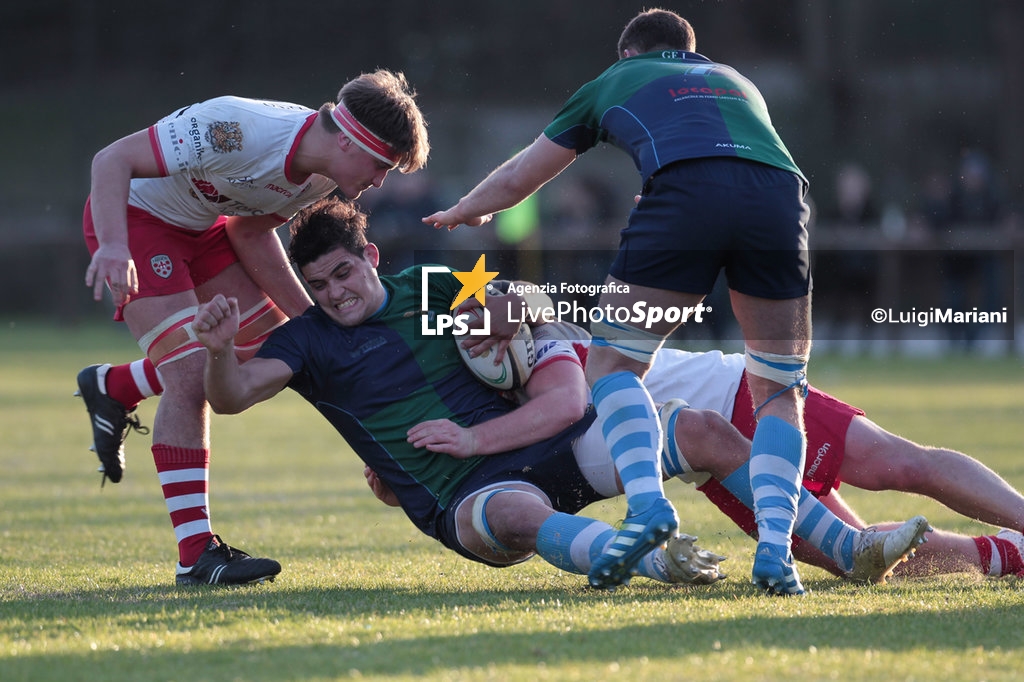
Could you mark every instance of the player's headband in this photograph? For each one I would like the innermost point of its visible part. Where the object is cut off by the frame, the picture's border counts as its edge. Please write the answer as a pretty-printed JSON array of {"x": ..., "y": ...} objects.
[{"x": 361, "y": 135}]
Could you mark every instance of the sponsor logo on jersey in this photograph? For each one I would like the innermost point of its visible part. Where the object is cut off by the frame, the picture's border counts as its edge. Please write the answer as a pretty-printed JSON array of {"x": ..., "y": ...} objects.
[
  {"x": 209, "y": 192},
  {"x": 275, "y": 188}
]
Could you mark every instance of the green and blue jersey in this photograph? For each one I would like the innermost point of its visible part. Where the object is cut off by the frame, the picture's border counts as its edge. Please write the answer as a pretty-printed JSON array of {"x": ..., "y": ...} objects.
[
  {"x": 663, "y": 107},
  {"x": 374, "y": 381}
]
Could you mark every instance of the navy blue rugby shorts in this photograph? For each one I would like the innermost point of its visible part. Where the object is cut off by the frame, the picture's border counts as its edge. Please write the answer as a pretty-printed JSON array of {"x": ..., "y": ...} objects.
[
  {"x": 699, "y": 216},
  {"x": 549, "y": 465}
]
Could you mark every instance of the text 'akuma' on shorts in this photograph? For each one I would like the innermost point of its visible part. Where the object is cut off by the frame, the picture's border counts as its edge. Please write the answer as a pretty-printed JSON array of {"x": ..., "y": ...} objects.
[{"x": 699, "y": 216}]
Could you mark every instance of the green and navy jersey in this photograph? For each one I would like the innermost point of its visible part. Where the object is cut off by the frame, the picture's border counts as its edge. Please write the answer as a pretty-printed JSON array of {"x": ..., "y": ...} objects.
[
  {"x": 663, "y": 107},
  {"x": 374, "y": 381}
]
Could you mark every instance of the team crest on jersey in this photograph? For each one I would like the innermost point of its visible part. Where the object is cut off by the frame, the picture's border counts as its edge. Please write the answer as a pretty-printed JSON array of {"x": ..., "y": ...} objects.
[
  {"x": 225, "y": 136},
  {"x": 162, "y": 265}
]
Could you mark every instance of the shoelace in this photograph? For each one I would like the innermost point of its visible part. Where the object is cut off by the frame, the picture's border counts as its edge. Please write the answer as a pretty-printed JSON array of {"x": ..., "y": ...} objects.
[
  {"x": 230, "y": 553},
  {"x": 135, "y": 423}
]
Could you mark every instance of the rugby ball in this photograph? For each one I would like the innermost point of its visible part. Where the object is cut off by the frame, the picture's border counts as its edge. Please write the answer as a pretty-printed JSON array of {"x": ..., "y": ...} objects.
[{"x": 514, "y": 369}]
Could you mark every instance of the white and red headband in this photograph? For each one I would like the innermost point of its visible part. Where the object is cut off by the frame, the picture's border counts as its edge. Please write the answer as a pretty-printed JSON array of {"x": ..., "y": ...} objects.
[{"x": 363, "y": 137}]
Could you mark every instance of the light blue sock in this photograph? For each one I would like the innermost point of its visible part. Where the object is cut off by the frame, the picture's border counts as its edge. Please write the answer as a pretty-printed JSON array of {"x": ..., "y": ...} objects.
[
  {"x": 776, "y": 471},
  {"x": 815, "y": 522},
  {"x": 629, "y": 423},
  {"x": 817, "y": 525},
  {"x": 571, "y": 543},
  {"x": 738, "y": 483}
]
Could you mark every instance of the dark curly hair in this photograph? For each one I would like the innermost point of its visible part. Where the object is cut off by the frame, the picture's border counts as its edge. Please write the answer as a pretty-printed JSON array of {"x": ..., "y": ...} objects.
[{"x": 323, "y": 227}]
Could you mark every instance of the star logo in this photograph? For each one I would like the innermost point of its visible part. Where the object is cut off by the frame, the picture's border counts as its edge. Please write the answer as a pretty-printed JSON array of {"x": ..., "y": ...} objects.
[{"x": 474, "y": 282}]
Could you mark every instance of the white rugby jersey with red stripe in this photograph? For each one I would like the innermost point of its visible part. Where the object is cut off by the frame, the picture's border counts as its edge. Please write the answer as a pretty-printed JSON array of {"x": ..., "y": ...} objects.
[{"x": 228, "y": 156}]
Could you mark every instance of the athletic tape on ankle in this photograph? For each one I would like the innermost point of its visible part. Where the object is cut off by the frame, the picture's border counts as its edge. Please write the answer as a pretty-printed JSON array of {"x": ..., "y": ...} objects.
[
  {"x": 172, "y": 339},
  {"x": 788, "y": 370},
  {"x": 782, "y": 369},
  {"x": 634, "y": 343}
]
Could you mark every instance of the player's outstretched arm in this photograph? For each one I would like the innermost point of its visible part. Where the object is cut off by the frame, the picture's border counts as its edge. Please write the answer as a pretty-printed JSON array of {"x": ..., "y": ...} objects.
[
  {"x": 232, "y": 387},
  {"x": 507, "y": 185},
  {"x": 216, "y": 325}
]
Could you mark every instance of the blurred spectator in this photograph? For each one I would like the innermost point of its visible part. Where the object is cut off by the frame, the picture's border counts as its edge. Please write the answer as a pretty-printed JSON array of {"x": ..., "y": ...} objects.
[
  {"x": 971, "y": 269},
  {"x": 974, "y": 198},
  {"x": 855, "y": 204},
  {"x": 580, "y": 214},
  {"x": 846, "y": 281},
  {"x": 933, "y": 206}
]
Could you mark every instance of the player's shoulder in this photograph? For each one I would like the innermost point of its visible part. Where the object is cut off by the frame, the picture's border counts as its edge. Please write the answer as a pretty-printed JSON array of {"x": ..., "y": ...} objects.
[
  {"x": 231, "y": 107},
  {"x": 434, "y": 278}
]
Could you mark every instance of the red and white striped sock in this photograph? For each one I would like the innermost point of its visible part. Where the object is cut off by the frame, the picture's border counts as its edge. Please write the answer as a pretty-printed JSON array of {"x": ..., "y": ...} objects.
[
  {"x": 184, "y": 476},
  {"x": 132, "y": 383},
  {"x": 999, "y": 556}
]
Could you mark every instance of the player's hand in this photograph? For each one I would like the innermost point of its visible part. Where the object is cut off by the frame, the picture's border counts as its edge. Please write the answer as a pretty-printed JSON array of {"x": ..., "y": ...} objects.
[
  {"x": 216, "y": 323},
  {"x": 112, "y": 265},
  {"x": 379, "y": 488},
  {"x": 478, "y": 345},
  {"x": 501, "y": 335},
  {"x": 452, "y": 218},
  {"x": 443, "y": 435}
]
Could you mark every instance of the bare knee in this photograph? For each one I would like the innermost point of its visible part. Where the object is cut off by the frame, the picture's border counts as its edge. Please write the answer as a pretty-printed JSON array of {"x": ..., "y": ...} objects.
[
  {"x": 501, "y": 525},
  {"x": 709, "y": 442},
  {"x": 515, "y": 518}
]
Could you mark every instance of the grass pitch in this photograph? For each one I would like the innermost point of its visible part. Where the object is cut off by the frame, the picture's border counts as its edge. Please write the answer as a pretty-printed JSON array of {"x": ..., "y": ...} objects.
[{"x": 87, "y": 588}]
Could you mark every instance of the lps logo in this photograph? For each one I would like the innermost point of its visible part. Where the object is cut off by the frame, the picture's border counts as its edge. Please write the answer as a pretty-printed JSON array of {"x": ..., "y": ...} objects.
[{"x": 474, "y": 284}]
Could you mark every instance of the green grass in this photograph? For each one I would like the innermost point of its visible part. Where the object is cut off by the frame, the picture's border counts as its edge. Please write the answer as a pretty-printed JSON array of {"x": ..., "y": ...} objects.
[{"x": 86, "y": 574}]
